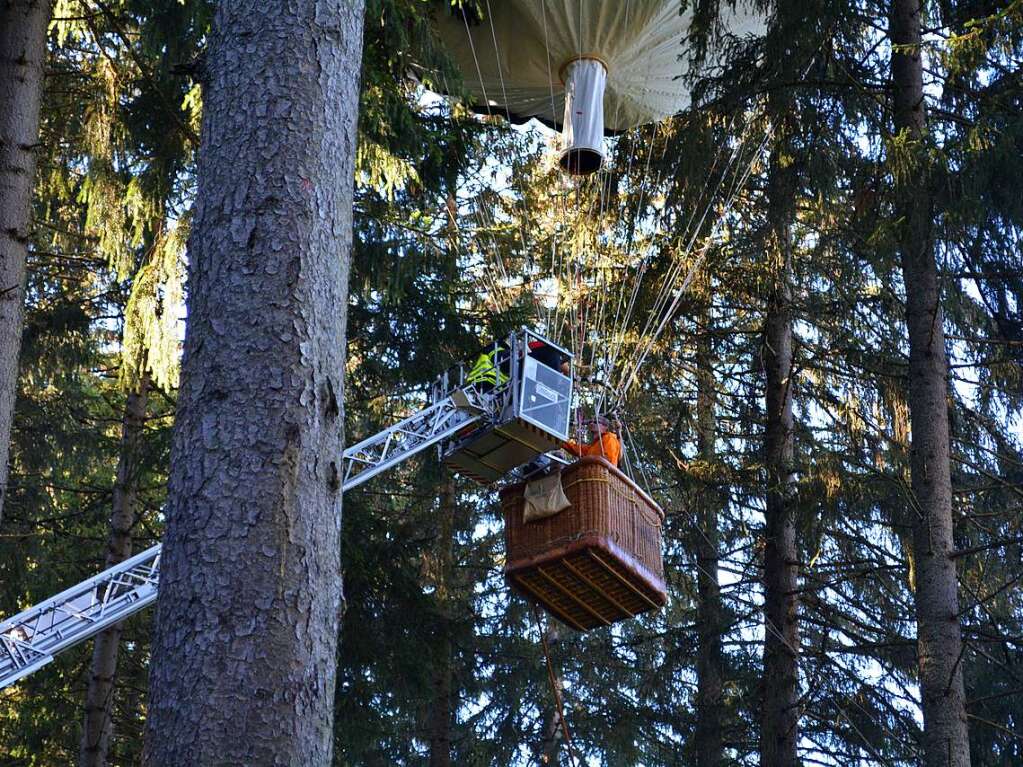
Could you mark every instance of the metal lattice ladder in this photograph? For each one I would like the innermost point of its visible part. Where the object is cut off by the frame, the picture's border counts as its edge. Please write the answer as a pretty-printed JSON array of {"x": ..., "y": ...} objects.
[{"x": 31, "y": 639}]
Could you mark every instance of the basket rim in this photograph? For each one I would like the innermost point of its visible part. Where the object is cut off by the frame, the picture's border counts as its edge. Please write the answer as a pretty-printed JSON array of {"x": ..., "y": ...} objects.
[{"x": 604, "y": 463}]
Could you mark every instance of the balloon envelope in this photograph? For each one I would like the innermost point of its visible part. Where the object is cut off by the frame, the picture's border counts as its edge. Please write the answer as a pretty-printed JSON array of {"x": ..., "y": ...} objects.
[{"x": 514, "y": 61}]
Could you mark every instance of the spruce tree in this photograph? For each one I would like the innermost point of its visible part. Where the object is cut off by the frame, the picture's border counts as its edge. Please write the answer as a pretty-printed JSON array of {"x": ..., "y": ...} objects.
[
  {"x": 250, "y": 580},
  {"x": 22, "y": 58}
]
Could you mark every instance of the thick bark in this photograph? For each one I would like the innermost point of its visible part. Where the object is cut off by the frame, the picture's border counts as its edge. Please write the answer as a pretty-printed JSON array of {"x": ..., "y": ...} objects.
[
  {"x": 441, "y": 713},
  {"x": 709, "y": 672},
  {"x": 99, "y": 696},
  {"x": 939, "y": 639},
  {"x": 22, "y": 55},
  {"x": 244, "y": 653},
  {"x": 780, "y": 717}
]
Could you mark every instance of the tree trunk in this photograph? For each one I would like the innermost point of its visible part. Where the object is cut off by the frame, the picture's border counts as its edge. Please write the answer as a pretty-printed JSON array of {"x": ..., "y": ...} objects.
[
  {"x": 244, "y": 653},
  {"x": 709, "y": 673},
  {"x": 939, "y": 639},
  {"x": 780, "y": 719},
  {"x": 99, "y": 696},
  {"x": 22, "y": 56},
  {"x": 441, "y": 712}
]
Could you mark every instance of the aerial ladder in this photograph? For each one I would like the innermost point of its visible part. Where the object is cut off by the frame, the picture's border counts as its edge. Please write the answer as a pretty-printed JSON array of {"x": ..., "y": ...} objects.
[{"x": 483, "y": 431}]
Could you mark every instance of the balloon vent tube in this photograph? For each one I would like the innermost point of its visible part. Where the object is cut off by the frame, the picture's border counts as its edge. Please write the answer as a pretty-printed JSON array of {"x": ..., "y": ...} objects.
[{"x": 582, "y": 137}]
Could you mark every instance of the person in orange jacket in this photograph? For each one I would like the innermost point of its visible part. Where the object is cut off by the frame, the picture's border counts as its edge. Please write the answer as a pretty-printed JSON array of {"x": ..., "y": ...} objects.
[{"x": 605, "y": 443}]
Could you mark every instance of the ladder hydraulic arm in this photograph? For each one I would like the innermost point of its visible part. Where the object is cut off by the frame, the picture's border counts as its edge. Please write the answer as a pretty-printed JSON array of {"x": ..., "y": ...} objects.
[{"x": 31, "y": 639}]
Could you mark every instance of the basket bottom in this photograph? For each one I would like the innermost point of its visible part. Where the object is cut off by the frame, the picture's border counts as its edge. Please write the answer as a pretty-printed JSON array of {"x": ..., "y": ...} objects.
[{"x": 586, "y": 588}]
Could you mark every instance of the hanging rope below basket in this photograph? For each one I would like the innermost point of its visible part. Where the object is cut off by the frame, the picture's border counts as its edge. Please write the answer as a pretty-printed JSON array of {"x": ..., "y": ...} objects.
[{"x": 553, "y": 681}]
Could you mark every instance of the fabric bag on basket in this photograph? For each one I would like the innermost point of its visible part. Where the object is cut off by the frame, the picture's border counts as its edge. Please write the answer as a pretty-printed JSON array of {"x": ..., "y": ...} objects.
[{"x": 544, "y": 498}]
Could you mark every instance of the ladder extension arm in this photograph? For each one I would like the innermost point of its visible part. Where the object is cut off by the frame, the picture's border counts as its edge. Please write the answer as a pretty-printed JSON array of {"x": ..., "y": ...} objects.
[
  {"x": 31, "y": 639},
  {"x": 406, "y": 438}
]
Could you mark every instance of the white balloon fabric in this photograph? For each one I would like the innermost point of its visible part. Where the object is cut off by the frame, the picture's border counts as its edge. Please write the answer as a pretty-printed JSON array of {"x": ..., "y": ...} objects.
[{"x": 515, "y": 61}]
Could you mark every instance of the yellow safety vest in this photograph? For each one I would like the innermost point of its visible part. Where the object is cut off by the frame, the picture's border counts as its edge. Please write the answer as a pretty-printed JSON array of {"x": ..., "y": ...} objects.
[{"x": 486, "y": 370}]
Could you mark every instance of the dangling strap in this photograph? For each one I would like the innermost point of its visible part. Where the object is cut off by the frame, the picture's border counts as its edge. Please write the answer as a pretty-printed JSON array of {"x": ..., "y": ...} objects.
[{"x": 553, "y": 681}]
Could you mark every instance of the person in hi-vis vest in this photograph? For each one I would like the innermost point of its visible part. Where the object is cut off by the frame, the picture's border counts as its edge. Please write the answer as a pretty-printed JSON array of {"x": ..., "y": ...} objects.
[{"x": 489, "y": 370}]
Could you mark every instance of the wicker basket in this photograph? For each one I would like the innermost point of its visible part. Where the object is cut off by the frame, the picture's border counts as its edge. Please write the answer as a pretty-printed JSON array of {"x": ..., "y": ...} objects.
[{"x": 595, "y": 563}]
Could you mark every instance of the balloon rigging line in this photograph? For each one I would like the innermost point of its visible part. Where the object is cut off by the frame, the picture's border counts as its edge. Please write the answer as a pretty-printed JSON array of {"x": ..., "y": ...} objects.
[
  {"x": 487, "y": 223},
  {"x": 628, "y": 246},
  {"x": 628, "y": 379},
  {"x": 548, "y": 328},
  {"x": 520, "y": 197},
  {"x": 656, "y": 316},
  {"x": 651, "y": 237},
  {"x": 489, "y": 282},
  {"x": 589, "y": 312},
  {"x": 699, "y": 212},
  {"x": 621, "y": 323},
  {"x": 483, "y": 88},
  {"x": 639, "y": 464},
  {"x": 628, "y": 172},
  {"x": 556, "y": 266},
  {"x": 507, "y": 111},
  {"x": 627, "y": 382},
  {"x": 672, "y": 276},
  {"x": 557, "y": 272}
]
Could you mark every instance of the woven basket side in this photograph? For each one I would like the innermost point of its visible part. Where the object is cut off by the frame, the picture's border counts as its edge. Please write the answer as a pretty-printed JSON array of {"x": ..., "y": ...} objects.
[
  {"x": 603, "y": 504},
  {"x": 588, "y": 514}
]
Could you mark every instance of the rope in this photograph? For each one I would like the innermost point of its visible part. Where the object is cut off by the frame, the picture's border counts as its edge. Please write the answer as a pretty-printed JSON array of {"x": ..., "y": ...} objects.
[
  {"x": 672, "y": 274},
  {"x": 639, "y": 463},
  {"x": 630, "y": 371},
  {"x": 553, "y": 681},
  {"x": 659, "y": 317}
]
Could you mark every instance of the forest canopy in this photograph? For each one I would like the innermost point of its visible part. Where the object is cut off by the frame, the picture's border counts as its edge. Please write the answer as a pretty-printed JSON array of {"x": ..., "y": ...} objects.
[{"x": 237, "y": 241}]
